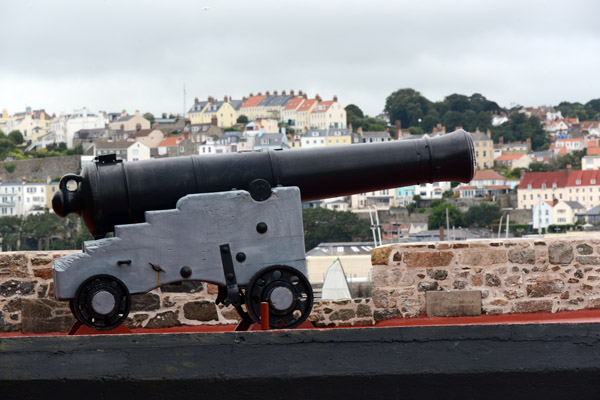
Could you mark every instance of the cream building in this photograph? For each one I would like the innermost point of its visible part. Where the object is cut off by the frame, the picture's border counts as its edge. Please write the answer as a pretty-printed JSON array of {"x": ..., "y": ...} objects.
[
  {"x": 564, "y": 212},
  {"x": 328, "y": 115},
  {"x": 288, "y": 115},
  {"x": 251, "y": 107},
  {"x": 303, "y": 114},
  {"x": 126, "y": 122},
  {"x": 223, "y": 111},
  {"x": 484, "y": 149},
  {"x": 580, "y": 186},
  {"x": 150, "y": 137}
]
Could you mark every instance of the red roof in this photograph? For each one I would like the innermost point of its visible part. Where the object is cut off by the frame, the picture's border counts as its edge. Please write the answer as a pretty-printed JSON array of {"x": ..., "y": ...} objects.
[
  {"x": 293, "y": 103},
  {"x": 170, "y": 141},
  {"x": 507, "y": 157},
  {"x": 593, "y": 151},
  {"x": 563, "y": 151},
  {"x": 486, "y": 174},
  {"x": 497, "y": 187},
  {"x": 536, "y": 179},
  {"x": 465, "y": 188},
  {"x": 570, "y": 140},
  {"x": 307, "y": 104},
  {"x": 322, "y": 107},
  {"x": 584, "y": 177},
  {"x": 253, "y": 101}
]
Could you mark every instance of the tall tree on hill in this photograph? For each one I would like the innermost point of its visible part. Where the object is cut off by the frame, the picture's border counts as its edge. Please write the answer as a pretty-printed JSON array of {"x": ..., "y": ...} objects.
[
  {"x": 408, "y": 106},
  {"x": 519, "y": 128}
]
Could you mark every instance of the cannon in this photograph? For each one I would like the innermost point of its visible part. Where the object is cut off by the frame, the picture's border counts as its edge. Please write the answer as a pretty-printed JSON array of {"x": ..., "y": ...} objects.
[{"x": 231, "y": 219}]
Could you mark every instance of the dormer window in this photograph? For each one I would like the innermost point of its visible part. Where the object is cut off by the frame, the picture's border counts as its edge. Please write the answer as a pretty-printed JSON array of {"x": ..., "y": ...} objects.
[
  {"x": 554, "y": 186},
  {"x": 543, "y": 186},
  {"x": 529, "y": 186},
  {"x": 593, "y": 181},
  {"x": 578, "y": 182}
]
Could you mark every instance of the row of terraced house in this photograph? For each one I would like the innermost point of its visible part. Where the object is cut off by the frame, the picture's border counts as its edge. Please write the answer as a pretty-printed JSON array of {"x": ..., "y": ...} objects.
[{"x": 297, "y": 110}]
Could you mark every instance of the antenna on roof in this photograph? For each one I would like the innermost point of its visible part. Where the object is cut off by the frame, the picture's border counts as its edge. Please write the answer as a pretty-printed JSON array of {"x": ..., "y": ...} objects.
[{"x": 184, "y": 110}]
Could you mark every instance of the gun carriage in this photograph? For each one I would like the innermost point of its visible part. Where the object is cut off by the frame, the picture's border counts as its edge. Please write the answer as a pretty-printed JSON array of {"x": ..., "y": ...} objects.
[{"x": 233, "y": 220}]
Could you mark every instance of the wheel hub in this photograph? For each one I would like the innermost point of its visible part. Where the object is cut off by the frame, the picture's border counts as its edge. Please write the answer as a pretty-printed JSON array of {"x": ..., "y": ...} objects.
[
  {"x": 103, "y": 302},
  {"x": 281, "y": 298}
]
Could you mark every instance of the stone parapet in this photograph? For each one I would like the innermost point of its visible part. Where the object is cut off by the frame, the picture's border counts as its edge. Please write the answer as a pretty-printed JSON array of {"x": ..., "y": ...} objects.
[
  {"x": 512, "y": 276},
  {"x": 27, "y": 300}
]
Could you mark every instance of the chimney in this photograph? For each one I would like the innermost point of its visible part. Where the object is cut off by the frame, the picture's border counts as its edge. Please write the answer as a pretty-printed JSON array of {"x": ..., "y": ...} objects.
[
  {"x": 304, "y": 96},
  {"x": 23, "y": 180},
  {"x": 398, "y": 128},
  {"x": 251, "y": 95},
  {"x": 230, "y": 99},
  {"x": 554, "y": 201},
  {"x": 275, "y": 92},
  {"x": 283, "y": 93},
  {"x": 335, "y": 98},
  {"x": 137, "y": 113},
  {"x": 300, "y": 93},
  {"x": 489, "y": 134},
  {"x": 0, "y": 180},
  {"x": 195, "y": 100},
  {"x": 292, "y": 94},
  {"x": 359, "y": 130},
  {"x": 501, "y": 140},
  {"x": 317, "y": 97},
  {"x": 350, "y": 127},
  {"x": 244, "y": 99},
  {"x": 48, "y": 179},
  {"x": 123, "y": 113},
  {"x": 259, "y": 94},
  {"x": 268, "y": 93},
  {"x": 214, "y": 121},
  {"x": 569, "y": 167},
  {"x": 458, "y": 128},
  {"x": 225, "y": 98}
]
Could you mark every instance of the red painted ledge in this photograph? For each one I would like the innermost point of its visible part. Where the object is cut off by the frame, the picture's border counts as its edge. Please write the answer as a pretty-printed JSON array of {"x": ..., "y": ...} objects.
[{"x": 579, "y": 316}]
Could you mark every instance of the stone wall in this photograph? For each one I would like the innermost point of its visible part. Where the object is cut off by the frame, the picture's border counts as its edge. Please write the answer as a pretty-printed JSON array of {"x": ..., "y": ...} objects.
[
  {"x": 38, "y": 169},
  {"x": 27, "y": 301},
  {"x": 511, "y": 276}
]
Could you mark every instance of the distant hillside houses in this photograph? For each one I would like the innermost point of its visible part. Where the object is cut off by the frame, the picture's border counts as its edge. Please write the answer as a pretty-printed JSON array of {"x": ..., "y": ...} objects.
[{"x": 298, "y": 111}]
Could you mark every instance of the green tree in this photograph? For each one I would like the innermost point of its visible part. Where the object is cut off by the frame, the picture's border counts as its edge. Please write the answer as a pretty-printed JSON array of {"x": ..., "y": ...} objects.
[
  {"x": 149, "y": 117},
  {"x": 355, "y": 110},
  {"x": 6, "y": 146},
  {"x": 437, "y": 217},
  {"x": 322, "y": 225},
  {"x": 408, "y": 106},
  {"x": 242, "y": 119},
  {"x": 16, "y": 137},
  {"x": 519, "y": 128},
  {"x": 2, "y": 134},
  {"x": 10, "y": 228},
  {"x": 482, "y": 215}
]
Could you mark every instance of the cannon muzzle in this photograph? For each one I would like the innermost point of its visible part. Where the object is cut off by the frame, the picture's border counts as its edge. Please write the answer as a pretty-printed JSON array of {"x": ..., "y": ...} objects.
[{"x": 109, "y": 192}]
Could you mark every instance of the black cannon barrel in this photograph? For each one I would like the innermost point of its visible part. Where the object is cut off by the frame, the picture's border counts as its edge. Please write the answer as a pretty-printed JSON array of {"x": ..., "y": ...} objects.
[{"x": 110, "y": 193}]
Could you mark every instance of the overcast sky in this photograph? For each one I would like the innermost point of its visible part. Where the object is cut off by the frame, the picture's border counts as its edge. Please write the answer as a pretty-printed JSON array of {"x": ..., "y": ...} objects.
[{"x": 123, "y": 54}]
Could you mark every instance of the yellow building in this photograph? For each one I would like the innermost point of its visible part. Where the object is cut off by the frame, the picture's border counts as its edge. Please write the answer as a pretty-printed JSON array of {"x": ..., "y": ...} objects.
[
  {"x": 195, "y": 113},
  {"x": 223, "y": 111},
  {"x": 338, "y": 137}
]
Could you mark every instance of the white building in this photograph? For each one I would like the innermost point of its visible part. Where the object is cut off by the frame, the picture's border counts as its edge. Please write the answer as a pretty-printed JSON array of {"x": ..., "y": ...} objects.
[
  {"x": 380, "y": 199},
  {"x": 66, "y": 124},
  {"x": 432, "y": 191},
  {"x": 313, "y": 138},
  {"x": 542, "y": 215}
]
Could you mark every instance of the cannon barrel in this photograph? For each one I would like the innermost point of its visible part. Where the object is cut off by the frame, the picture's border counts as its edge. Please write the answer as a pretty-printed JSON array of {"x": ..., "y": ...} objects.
[{"x": 109, "y": 193}]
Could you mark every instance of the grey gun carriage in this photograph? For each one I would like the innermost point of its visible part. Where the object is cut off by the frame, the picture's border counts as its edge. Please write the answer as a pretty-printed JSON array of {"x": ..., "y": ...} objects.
[{"x": 233, "y": 220}]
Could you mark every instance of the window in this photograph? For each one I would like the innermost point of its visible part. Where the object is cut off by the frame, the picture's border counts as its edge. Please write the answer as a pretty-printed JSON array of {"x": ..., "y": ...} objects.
[
  {"x": 578, "y": 182},
  {"x": 543, "y": 186},
  {"x": 529, "y": 186}
]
